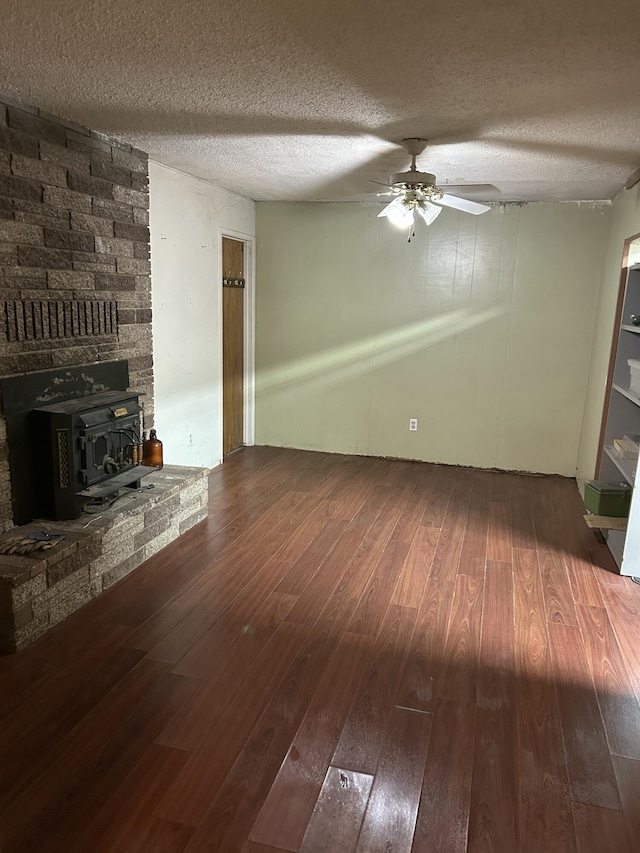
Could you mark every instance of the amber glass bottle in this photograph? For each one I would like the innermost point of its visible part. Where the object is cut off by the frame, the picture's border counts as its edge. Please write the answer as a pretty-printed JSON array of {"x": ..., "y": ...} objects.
[{"x": 153, "y": 450}]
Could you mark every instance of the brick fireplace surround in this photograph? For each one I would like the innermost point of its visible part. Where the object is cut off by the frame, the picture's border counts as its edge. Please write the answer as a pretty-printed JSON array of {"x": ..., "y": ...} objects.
[{"x": 75, "y": 288}]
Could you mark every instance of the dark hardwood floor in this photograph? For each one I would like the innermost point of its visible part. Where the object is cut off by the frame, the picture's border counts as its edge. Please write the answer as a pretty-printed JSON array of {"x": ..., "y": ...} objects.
[{"x": 350, "y": 654}]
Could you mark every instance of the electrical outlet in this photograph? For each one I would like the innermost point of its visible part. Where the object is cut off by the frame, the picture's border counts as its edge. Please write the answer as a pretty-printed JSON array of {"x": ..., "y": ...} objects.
[{"x": 413, "y": 424}]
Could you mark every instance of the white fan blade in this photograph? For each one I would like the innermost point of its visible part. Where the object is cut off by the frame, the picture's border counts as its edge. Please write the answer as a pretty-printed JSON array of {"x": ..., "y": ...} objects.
[{"x": 463, "y": 204}]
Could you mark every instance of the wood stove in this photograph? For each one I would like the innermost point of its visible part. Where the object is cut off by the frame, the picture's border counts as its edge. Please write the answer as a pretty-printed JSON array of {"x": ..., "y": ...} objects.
[{"x": 74, "y": 435}]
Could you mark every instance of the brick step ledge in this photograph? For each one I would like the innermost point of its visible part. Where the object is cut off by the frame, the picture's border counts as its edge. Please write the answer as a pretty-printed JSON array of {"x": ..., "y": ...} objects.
[{"x": 39, "y": 591}]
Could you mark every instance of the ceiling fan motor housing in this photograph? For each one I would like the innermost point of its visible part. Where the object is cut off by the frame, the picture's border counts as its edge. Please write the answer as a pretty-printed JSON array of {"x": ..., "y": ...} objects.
[
  {"x": 417, "y": 191},
  {"x": 411, "y": 179}
]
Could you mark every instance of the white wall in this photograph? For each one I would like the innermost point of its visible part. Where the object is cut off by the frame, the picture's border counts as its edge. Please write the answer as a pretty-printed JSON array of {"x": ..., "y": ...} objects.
[
  {"x": 624, "y": 222},
  {"x": 186, "y": 215},
  {"x": 481, "y": 328}
]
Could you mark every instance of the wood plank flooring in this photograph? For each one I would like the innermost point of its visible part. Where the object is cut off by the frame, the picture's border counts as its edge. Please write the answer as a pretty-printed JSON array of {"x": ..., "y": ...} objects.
[{"x": 351, "y": 655}]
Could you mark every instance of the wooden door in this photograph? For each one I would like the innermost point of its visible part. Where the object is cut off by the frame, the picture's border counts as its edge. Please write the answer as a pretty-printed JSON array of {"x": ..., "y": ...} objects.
[{"x": 232, "y": 344}]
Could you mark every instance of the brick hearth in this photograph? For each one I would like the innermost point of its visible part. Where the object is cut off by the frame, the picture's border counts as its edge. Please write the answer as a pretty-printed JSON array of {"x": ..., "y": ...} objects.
[{"x": 37, "y": 592}]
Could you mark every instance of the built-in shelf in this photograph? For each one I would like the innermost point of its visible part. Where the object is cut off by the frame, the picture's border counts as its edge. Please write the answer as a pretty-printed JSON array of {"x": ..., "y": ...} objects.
[
  {"x": 622, "y": 419},
  {"x": 624, "y": 464},
  {"x": 628, "y": 393},
  {"x": 606, "y": 522}
]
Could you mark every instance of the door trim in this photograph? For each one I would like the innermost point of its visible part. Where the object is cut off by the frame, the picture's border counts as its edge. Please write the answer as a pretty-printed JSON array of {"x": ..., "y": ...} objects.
[{"x": 249, "y": 381}]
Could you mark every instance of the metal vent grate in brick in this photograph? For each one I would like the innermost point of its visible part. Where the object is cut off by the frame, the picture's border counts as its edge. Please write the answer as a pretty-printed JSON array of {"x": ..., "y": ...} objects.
[
  {"x": 30, "y": 320},
  {"x": 63, "y": 457}
]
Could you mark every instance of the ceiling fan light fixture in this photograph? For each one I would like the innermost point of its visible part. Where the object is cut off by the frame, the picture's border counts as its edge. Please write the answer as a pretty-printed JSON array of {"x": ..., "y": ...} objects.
[
  {"x": 401, "y": 212},
  {"x": 398, "y": 212},
  {"x": 417, "y": 191},
  {"x": 429, "y": 212},
  {"x": 401, "y": 217},
  {"x": 396, "y": 202}
]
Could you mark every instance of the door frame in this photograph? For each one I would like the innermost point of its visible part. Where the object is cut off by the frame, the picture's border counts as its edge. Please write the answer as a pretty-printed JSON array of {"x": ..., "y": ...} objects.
[{"x": 249, "y": 381}]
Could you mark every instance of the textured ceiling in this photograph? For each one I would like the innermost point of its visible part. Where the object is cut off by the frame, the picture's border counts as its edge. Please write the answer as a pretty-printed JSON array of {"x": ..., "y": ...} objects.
[{"x": 286, "y": 99}]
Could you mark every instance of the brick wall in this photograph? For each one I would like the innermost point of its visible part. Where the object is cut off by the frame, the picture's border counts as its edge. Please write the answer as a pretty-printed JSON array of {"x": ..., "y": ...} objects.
[{"x": 74, "y": 254}]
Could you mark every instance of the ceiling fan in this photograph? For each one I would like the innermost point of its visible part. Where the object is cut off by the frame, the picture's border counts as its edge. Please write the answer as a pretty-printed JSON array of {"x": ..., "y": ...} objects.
[{"x": 416, "y": 193}]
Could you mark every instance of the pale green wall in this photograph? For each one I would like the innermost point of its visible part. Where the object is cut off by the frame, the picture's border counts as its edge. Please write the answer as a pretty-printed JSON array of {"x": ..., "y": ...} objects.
[
  {"x": 481, "y": 328},
  {"x": 624, "y": 222}
]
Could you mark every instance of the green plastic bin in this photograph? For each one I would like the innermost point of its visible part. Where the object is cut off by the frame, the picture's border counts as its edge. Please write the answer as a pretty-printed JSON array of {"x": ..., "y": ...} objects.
[{"x": 605, "y": 498}]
